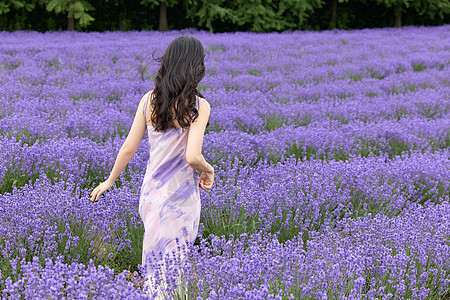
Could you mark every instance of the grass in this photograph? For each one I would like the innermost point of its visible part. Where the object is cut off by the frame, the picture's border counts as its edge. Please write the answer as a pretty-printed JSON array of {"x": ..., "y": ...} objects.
[
  {"x": 354, "y": 77},
  {"x": 221, "y": 221},
  {"x": 234, "y": 73},
  {"x": 305, "y": 121},
  {"x": 216, "y": 48},
  {"x": 127, "y": 258},
  {"x": 375, "y": 74},
  {"x": 418, "y": 67},
  {"x": 213, "y": 128},
  {"x": 203, "y": 87},
  {"x": 254, "y": 72},
  {"x": 400, "y": 69},
  {"x": 24, "y": 136},
  {"x": 16, "y": 178},
  {"x": 272, "y": 122}
]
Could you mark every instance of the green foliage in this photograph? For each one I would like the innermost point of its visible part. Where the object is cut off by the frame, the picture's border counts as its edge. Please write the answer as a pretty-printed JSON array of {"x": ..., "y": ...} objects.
[
  {"x": 400, "y": 69},
  {"x": 153, "y": 3},
  {"x": 273, "y": 122},
  {"x": 431, "y": 111},
  {"x": 217, "y": 15},
  {"x": 397, "y": 147},
  {"x": 260, "y": 16},
  {"x": 430, "y": 8},
  {"x": 227, "y": 222},
  {"x": 394, "y": 3},
  {"x": 254, "y": 72},
  {"x": 418, "y": 67},
  {"x": 74, "y": 8},
  {"x": 205, "y": 12},
  {"x": 89, "y": 244},
  {"x": 16, "y": 178},
  {"x": 354, "y": 77},
  {"x": 375, "y": 74},
  {"x": 127, "y": 258},
  {"x": 369, "y": 148},
  {"x": 234, "y": 73},
  {"x": 7, "y": 5},
  {"x": 215, "y": 48},
  {"x": 305, "y": 121},
  {"x": 214, "y": 128}
]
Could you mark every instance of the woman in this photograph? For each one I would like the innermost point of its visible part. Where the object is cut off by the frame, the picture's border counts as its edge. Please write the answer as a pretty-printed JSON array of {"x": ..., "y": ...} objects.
[{"x": 175, "y": 120}]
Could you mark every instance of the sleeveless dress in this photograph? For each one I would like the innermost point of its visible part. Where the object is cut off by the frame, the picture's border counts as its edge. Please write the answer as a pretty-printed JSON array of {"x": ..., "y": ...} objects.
[{"x": 169, "y": 203}]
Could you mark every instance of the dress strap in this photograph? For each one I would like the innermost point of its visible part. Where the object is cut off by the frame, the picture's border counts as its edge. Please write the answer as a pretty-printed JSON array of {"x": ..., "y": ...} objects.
[
  {"x": 200, "y": 101},
  {"x": 145, "y": 103}
]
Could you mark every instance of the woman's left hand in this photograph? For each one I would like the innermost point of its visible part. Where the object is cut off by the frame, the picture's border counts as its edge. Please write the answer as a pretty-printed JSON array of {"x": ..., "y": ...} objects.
[{"x": 100, "y": 189}]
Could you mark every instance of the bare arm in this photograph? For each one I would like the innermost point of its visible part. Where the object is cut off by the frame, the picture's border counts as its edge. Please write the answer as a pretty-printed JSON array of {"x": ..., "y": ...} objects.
[
  {"x": 194, "y": 155},
  {"x": 126, "y": 152},
  {"x": 131, "y": 144}
]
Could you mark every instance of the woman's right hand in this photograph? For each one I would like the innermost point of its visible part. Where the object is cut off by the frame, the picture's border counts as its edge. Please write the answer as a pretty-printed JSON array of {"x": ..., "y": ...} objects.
[{"x": 206, "y": 180}]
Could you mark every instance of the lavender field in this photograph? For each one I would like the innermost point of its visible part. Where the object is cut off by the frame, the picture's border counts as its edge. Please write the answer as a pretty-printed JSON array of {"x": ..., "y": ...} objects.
[{"x": 331, "y": 152}]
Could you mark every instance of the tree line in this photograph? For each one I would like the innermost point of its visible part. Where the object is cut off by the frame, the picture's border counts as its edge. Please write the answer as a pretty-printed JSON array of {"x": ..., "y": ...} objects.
[{"x": 219, "y": 15}]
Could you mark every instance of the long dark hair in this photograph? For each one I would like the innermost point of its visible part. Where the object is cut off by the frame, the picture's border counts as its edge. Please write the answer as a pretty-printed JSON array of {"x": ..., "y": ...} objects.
[{"x": 174, "y": 95}]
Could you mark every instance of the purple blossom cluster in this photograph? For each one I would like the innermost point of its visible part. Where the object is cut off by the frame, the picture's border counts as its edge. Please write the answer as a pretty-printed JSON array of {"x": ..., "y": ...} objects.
[
  {"x": 331, "y": 152},
  {"x": 57, "y": 280}
]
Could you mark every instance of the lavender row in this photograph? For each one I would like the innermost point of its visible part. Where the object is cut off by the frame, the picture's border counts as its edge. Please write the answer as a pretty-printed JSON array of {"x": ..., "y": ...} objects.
[
  {"x": 385, "y": 50},
  {"x": 99, "y": 112},
  {"x": 287, "y": 199},
  {"x": 91, "y": 161},
  {"x": 45, "y": 92},
  {"x": 256, "y": 112},
  {"x": 291, "y": 198},
  {"x": 55, "y": 279},
  {"x": 331, "y": 140},
  {"x": 374, "y": 257},
  {"x": 77, "y": 160}
]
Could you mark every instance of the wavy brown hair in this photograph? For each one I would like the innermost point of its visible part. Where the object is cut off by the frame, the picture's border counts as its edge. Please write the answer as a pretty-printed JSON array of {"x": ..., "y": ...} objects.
[{"x": 174, "y": 95}]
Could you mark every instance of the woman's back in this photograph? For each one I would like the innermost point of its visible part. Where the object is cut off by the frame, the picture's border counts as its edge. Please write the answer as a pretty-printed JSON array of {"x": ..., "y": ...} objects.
[
  {"x": 169, "y": 203},
  {"x": 168, "y": 151},
  {"x": 170, "y": 198}
]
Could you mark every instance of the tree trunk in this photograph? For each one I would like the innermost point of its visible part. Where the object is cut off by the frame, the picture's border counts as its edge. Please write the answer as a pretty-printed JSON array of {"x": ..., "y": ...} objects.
[
  {"x": 163, "y": 17},
  {"x": 398, "y": 15},
  {"x": 333, "y": 14},
  {"x": 70, "y": 25},
  {"x": 70, "y": 21}
]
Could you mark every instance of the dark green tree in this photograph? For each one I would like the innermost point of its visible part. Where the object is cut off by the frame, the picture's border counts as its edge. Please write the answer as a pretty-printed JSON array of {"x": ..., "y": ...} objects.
[
  {"x": 334, "y": 7},
  {"x": 334, "y": 4},
  {"x": 7, "y": 5},
  {"x": 163, "y": 5},
  {"x": 75, "y": 10},
  {"x": 254, "y": 15},
  {"x": 431, "y": 8},
  {"x": 204, "y": 12}
]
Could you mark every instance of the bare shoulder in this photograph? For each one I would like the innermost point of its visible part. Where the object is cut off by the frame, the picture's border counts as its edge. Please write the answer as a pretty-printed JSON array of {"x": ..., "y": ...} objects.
[
  {"x": 146, "y": 97},
  {"x": 204, "y": 104},
  {"x": 148, "y": 94}
]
